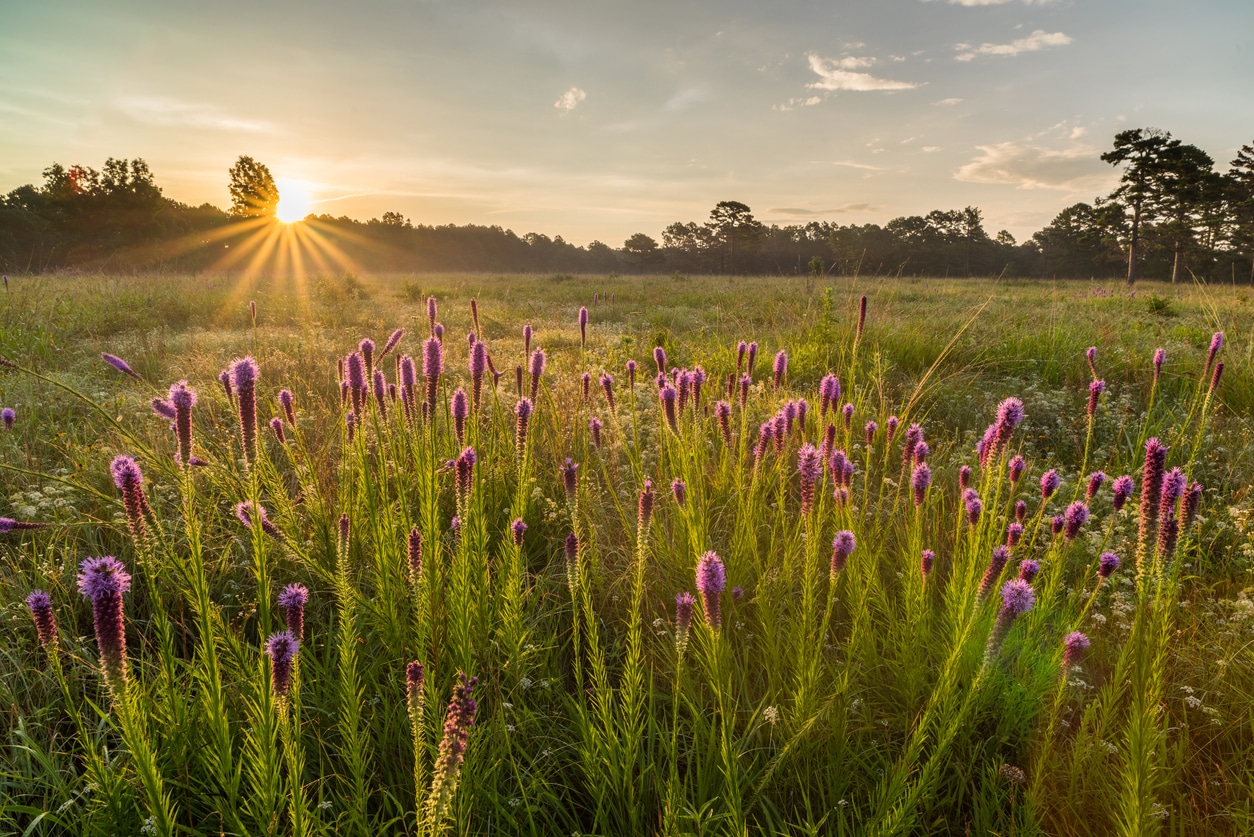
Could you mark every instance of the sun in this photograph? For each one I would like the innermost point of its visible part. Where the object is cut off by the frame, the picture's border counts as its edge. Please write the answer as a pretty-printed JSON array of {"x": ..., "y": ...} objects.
[{"x": 294, "y": 201}]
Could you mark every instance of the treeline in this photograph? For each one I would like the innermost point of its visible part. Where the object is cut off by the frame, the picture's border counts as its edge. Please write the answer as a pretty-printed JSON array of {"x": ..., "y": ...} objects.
[{"x": 1172, "y": 215}]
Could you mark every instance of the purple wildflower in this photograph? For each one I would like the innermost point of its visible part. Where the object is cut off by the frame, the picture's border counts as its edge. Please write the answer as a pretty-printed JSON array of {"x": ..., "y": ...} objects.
[
  {"x": 103, "y": 581},
  {"x": 722, "y": 412},
  {"x": 741, "y": 348},
  {"x": 415, "y": 698},
  {"x": 380, "y": 387},
  {"x": 1021, "y": 510},
  {"x": 753, "y": 356},
  {"x": 431, "y": 314},
  {"x": 287, "y": 403},
  {"x": 594, "y": 426},
  {"x": 1214, "y": 381},
  {"x": 631, "y": 375},
  {"x": 1028, "y": 570},
  {"x": 356, "y": 368},
  {"x": 607, "y": 385},
  {"x": 857, "y": 338},
  {"x": 124, "y": 367},
  {"x": 244, "y": 511},
  {"x": 745, "y": 381},
  {"x": 810, "y": 466},
  {"x": 1107, "y": 563},
  {"x": 1216, "y": 343},
  {"x": 459, "y": 409},
  {"x": 1073, "y": 649},
  {"x": 522, "y": 414},
  {"x": 432, "y": 369},
  {"x": 393, "y": 341},
  {"x": 570, "y": 478},
  {"x": 572, "y": 561},
  {"x": 679, "y": 489},
  {"x": 527, "y": 333},
  {"x": 1151, "y": 494},
  {"x": 1018, "y": 597},
  {"x": 684, "y": 606},
  {"x": 1096, "y": 479},
  {"x": 920, "y": 481},
  {"x": 843, "y": 546},
  {"x": 1049, "y": 483},
  {"x": 1009, "y": 417},
  {"x": 1090, "y": 355},
  {"x": 160, "y": 406},
  {"x": 276, "y": 427},
  {"x": 926, "y": 562},
  {"x": 667, "y": 396},
  {"x": 538, "y": 360},
  {"x": 366, "y": 347},
  {"x": 780, "y": 367},
  {"x": 644, "y": 509},
  {"x": 711, "y": 579},
  {"x": 1096, "y": 388},
  {"x": 130, "y": 481},
  {"x": 224, "y": 378},
  {"x": 1188, "y": 508},
  {"x": 350, "y": 425},
  {"x": 1077, "y": 515},
  {"x": 1160, "y": 357},
  {"x": 244, "y": 374},
  {"x": 659, "y": 357},
  {"x": 1056, "y": 523},
  {"x": 848, "y": 412},
  {"x": 292, "y": 599},
  {"x": 583, "y": 326},
  {"x": 1017, "y": 467},
  {"x": 1014, "y": 533},
  {"x": 868, "y": 431},
  {"x": 890, "y": 429},
  {"x": 1121, "y": 491},
  {"x": 517, "y": 529},
  {"x": 971, "y": 500},
  {"x": 996, "y": 564},
  {"x": 464, "y": 469},
  {"x": 413, "y": 555},
  {"x": 964, "y": 477},
  {"x": 282, "y": 648},
  {"x": 40, "y": 605}
]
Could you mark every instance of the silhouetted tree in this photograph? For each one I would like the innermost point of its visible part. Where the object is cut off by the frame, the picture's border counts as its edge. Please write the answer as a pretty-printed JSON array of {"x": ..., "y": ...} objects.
[
  {"x": 253, "y": 192},
  {"x": 1141, "y": 151}
]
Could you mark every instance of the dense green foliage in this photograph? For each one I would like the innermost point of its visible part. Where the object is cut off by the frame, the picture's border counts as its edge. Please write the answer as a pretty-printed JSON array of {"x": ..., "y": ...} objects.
[{"x": 827, "y": 702}]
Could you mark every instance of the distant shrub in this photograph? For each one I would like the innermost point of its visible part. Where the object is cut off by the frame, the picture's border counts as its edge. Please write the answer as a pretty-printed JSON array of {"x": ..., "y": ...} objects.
[{"x": 1159, "y": 306}]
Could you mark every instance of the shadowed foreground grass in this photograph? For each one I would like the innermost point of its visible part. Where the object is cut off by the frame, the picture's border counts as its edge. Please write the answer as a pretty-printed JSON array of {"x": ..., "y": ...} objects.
[{"x": 818, "y": 689}]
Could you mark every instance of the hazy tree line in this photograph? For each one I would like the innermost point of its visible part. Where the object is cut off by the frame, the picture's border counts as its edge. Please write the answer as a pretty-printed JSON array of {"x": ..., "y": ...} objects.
[{"x": 1172, "y": 215}]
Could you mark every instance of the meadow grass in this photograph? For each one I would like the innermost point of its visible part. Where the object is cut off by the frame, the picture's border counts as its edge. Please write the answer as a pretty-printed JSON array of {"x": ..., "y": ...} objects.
[{"x": 852, "y": 696}]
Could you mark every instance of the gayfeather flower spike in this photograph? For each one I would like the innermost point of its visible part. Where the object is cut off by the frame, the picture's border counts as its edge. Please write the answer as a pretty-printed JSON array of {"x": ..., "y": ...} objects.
[
  {"x": 1096, "y": 388},
  {"x": 1009, "y": 417},
  {"x": 926, "y": 562},
  {"x": 393, "y": 341},
  {"x": 1073, "y": 649},
  {"x": 1017, "y": 597},
  {"x": 644, "y": 509},
  {"x": 1017, "y": 467},
  {"x": 1151, "y": 496},
  {"x": 857, "y": 338},
  {"x": 996, "y": 564},
  {"x": 1214, "y": 381},
  {"x": 631, "y": 375},
  {"x": 276, "y": 427},
  {"x": 594, "y": 426},
  {"x": 744, "y": 384},
  {"x": 244, "y": 374},
  {"x": 1160, "y": 357},
  {"x": 848, "y": 413},
  {"x": 753, "y": 356},
  {"x": 458, "y": 722},
  {"x": 288, "y": 403},
  {"x": 583, "y": 327},
  {"x": 780, "y": 367},
  {"x": 659, "y": 357},
  {"x": 517, "y": 529},
  {"x": 460, "y": 409},
  {"x": 1021, "y": 510},
  {"x": 522, "y": 415},
  {"x": 711, "y": 579},
  {"x": 130, "y": 481},
  {"x": 1014, "y": 534},
  {"x": 432, "y": 369},
  {"x": 1028, "y": 569},
  {"x": 1216, "y": 343},
  {"x": 1189, "y": 506},
  {"x": 964, "y": 477},
  {"x": 464, "y": 469},
  {"x": 409, "y": 387},
  {"x": 1107, "y": 563},
  {"x": 668, "y": 395},
  {"x": 679, "y": 490},
  {"x": 810, "y": 466},
  {"x": 380, "y": 387},
  {"x": 868, "y": 432},
  {"x": 1096, "y": 479},
  {"x": 1174, "y": 483},
  {"x": 183, "y": 398},
  {"x": 572, "y": 562},
  {"x": 1121, "y": 491},
  {"x": 282, "y": 648},
  {"x": 570, "y": 478},
  {"x": 1057, "y": 523},
  {"x": 292, "y": 599},
  {"x": 224, "y": 378},
  {"x": 684, "y": 606},
  {"x": 432, "y": 312},
  {"x": 478, "y": 365},
  {"x": 919, "y": 481},
  {"x": 1049, "y": 483},
  {"x": 244, "y": 511},
  {"x": 356, "y": 368},
  {"x": 120, "y": 365},
  {"x": 974, "y": 506},
  {"x": 414, "y": 700},
  {"x": 585, "y": 382},
  {"x": 103, "y": 581},
  {"x": 527, "y": 333},
  {"x": 40, "y": 605},
  {"x": 413, "y": 555},
  {"x": 890, "y": 429},
  {"x": 843, "y": 546},
  {"x": 366, "y": 347},
  {"x": 722, "y": 412},
  {"x": 1077, "y": 515},
  {"x": 1091, "y": 356},
  {"x": 8, "y": 417},
  {"x": 537, "y": 369}
]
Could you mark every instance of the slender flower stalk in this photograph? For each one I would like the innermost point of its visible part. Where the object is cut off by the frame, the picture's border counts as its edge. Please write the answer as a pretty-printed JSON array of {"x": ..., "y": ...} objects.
[
  {"x": 1096, "y": 388},
  {"x": 919, "y": 481},
  {"x": 659, "y": 357},
  {"x": 684, "y": 606},
  {"x": 282, "y": 648},
  {"x": 293, "y": 599},
  {"x": 857, "y": 337},
  {"x": 583, "y": 327},
  {"x": 810, "y": 466},
  {"x": 1151, "y": 496},
  {"x": 1077, "y": 515},
  {"x": 130, "y": 481},
  {"x": 160, "y": 406},
  {"x": 478, "y": 365},
  {"x": 460, "y": 409},
  {"x": 1096, "y": 480},
  {"x": 517, "y": 529},
  {"x": 357, "y": 379},
  {"x": 631, "y": 375},
  {"x": 1018, "y": 597},
  {"x": 667, "y": 395},
  {"x": 288, "y": 403},
  {"x": 1091, "y": 356},
  {"x": 537, "y": 369},
  {"x": 1121, "y": 491},
  {"x": 1049, "y": 483},
  {"x": 245, "y": 512},
  {"x": 1028, "y": 569},
  {"x": 379, "y": 386},
  {"x": 393, "y": 341},
  {"x": 973, "y": 505},
  {"x": 926, "y": 562},
  {"x": 244, "y": 374},
  {"x": 780, "y": 367},
  {"x": 594, "y": 426},
  {"x": 522, "y": 416},
  {"x": 458, "y": 722},
  {"x": 432, "y": 369},
  {"x": 1017, "y": 467},
  {"x": 413, "y": 555},
  {"x": 120, "y": 365},
  {"x": 40, "y": 605},
  {"x": 996, "y": 564},
  {"x": 722, "y": 412},
  {"x": 1216, "y": 343},
  {"x": 464, "y": 469},
  {"x": 366, "y": 347},
  {"x": 276, "y": 427}
]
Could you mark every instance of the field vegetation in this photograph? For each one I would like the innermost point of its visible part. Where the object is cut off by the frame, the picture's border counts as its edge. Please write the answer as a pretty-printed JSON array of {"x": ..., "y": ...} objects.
[{"x": 532, "y": 589}]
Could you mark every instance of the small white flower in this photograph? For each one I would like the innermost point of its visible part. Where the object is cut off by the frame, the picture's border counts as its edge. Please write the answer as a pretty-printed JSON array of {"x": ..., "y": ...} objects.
[
  {"x": 324, "y": 805},
  {"x": 770, "y": 714}
]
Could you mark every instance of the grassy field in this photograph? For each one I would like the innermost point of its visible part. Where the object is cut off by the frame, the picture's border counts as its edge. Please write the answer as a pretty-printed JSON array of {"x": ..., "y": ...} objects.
[{"x": 831, "y": 694}]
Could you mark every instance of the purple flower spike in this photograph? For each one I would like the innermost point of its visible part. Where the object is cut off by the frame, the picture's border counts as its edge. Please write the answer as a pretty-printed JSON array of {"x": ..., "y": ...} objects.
[
  {"x": 1160, "y": 357},
  {"x": 753, "y": 356},
  {"x": 738, "y": 593},
  {"x": 583, "y": 327},
  {"x": 974, "y": 506},
  {"x": 996, "y": 564},
  {"x": 160, "y": 406},
  {"x": 1021, "y": 511},
  {"x": 594, "y": 426},
  {"x": 432, "y": 369},
  {"x": 1096, "y": 479},
  {"x": 667, "y": 395},
  {"x": 1096, "y": 388},
  {"x": 1049, "y": 483},
  {"x": 570, "y": 479},
  {"x": 722, "y": 412},
  {"x": 1077, "y": 515},
  {"x": 130, "y": 481},
  {"x": 964, "y": 477},
  {"x": 1091, "y": 356},
  {"x": 183, "y": 398},
  {"x": 679, "y": 489},
  {"x": 711, "y": 580},
  {"x": 1107, "y": 563},
  {"x": 1216, "y": 343},
  {"x": 843, "y": 546},
  {"x": 1009, "y": 417},
  {"x": 517, "y": 529},
  {"x": 244, "y": 511},
  {"x": 741, "y": 348},
  {"x": 1018, "y": 597},
  {"x": 244, "y": 374},
  {"x": 857, "y": 338},
  {"x": 1017, "y": 467},
  {"x": 926, "y": 562},
  {"x": 868, "y": 432},
  {"x": 415, "y": 682},
  {"x": 890, "y": 428},
  {"x": 536, "y": 367},
  {"x": 920, "y": 481},
  {"x": 393, "y": 341},
  {"x": 527, "y": 334},
  {"x": 1151, "y": 494},
  {"x": 659, "y": 357},
  {"x": 121, "y": 365},
  {"x": 1073, "y": 649},
  {"x": 366, "y": 347},
  {"x": 292, "y": 599},
  {"x": 522, "y": 416},
  {"x": 607, "y": 385},
  {"x": 432, "y": 312},
  {"x": 464, "y": 468},
  {"x": 684, "y": 606},
  {"x": 276, "y": 427},
  {"x": 644, "y": 510},
  {"x": 1121, "y": 491},
  {"x": 1028, "y": 570},
  {"x": 1056, "y": 523},
  {"x": 1214, "y": 381},
  {"x": 459, "y": 408},
  {"x": 458, "y": 722},
  {"x": 40, "y": 605},
  {"x": 848, "y": 413},
  {"x": 1014, "y": 533},
  {"x": 1188, "y": 508},
  {"x": 744, "y": 382},
  {"x": 631, "y": 375},
  {"x": 810, "y": 466},
  {"x": 780, "y": 367},
  {"x": 103, "y": 581},
  {"x": 8, "y": 417},
  {"x": 413, "y": 555},
  {"x": 282, "y": 649},
  {"x": 287, "y": 402}
]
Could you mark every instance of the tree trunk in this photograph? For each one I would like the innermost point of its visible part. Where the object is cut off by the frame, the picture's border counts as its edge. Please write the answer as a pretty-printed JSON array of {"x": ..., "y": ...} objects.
[
  {"x": 1133, "y": 266},
  {"x": 1175, "y": 264}
]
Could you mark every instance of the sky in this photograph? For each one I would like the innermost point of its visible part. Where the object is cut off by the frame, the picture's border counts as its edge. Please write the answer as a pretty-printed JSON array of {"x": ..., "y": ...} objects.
[{"x": 594, "y": 120}]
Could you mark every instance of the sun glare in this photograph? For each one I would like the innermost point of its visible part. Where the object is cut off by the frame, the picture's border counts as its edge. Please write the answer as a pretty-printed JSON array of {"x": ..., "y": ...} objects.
[{"x": 294, "y": 201}]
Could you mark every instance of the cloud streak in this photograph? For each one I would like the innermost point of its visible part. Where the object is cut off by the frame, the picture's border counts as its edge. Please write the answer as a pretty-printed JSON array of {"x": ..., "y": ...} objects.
[
  {"x": 834, "y": 74},
  {"x": 1029, "y": 166},
  {"x": 156, "y": 110},
  {"x": 1037, "y": 41},
  {"x": 570, "y": 100}
]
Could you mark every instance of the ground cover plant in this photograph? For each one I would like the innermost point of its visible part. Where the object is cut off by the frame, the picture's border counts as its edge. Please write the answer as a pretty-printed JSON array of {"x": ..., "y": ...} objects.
[{"x": 554, "y": 555}]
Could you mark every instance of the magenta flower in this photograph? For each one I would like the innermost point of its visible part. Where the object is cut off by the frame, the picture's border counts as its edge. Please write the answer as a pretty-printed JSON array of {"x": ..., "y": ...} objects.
[
  {"x": 1121, "y": 491},
  {"x": 920, "y": 481},
  {"x": 1017, "y": 467},
  {"x": 857, "y": 338},
  {"x": 1096, "y": 388},
  {"x": 1188, "y": 508},
  {"x": 224, "y": 378},
  {"x": 890, "y": 428},
  {"x": 667, "y": 395},
  {"x": 40, "y": 605},
  {"x": 282, "y": 648},
  {"x": 244, "y": 511},
  {"x": 583, "y": 326},
  {"x": 244, "y": 374},
  {"x": 1056, "y": 523},
  {"x": 415, "y": 682},
  {"x": 8, "y": 417},
  {"x": 432, "y": 369},
  {"x": 123, "y": 367},
  {"x": 679, "y": 489},
  {"x": 130, "y": 481},
  {"x": 810, "y": 466},
  {"x": 413, "y": 555},
  {"x": 607, "y": 385},
  {"x": 644, "y": 509},
  {"x": 431, "y": 313},
  {"x": 868, "y": 431},
  {"x": 459, "y": 408},
  {"x": 1151, "y": 489},
  {"x": 292, "y": 599},
  {"x": 536, "y": 368},
  {"x": 594, "y": 426},
  {"x": 1021, "y": 510},
  {"x": 741, "y": 348},
  {"x": 1216, "y": 343},
  {"x": 276, "y": 427},
  {"x": 1095, "y": 484},
  {"x": 914, "y": 436},
  {"x": 522, "y": 414},
  {"x": 1091, "y": 356},
  {"x": 1077, "y": 515},
  {"x": 684, "y": 606},
  {"x": 765, "y": 431},
  {"x": 711, "y": 579},
  {"x": 659, "y": 357},
  {"x": 1073, "y": 649},
  {"x": 356, "y": 368},
  {"x": 103, "y": 581},
  {"x": 380, "y": 387},
  {"x": 464, "y": 469},
  {"x": 722, "y": 412},
  {"x": 160, "y": 406},
  {"x": 753, "y": 356},
  {"x": 926, "y": 562},
  {"x": 780, "y": 367},
  {"x": 392, "y": 342},
  {"x": 1014, "y": 533},
  {"x": 1107, "y": 563},
  {"x": 287, "y": 402},
  {"x": 1018, "y": 597},
  {"x": 974, "y": 506},
  {"x": 517, "y": 529},
  {"x": 631, "y": 375},
  {"x": 366, "y": 347},
  {"x": 1049, "y": 483},
  {"x": 964, "y": 477},
  {"x": 570, "y": 479},
  {"x": 843, "y": 546},
  {"x": 996, "y": 564},
  {"x": 1028, "y": 570},
  {"x": 744, "y": 382},
  {"x": 1214, "y": 381},
  {"x": 1160, "y": 357},
  {"x": 848, "y": 412},
  {"x": 527, "y": 333},
  {"x": 1009, "y": 417}
]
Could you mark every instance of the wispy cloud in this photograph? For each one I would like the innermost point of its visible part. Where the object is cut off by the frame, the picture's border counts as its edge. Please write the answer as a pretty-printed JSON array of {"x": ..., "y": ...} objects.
[
  {"x": 803, "y": 212},
  {"x": 1029, "y": 166},
  {"x": 853, "y": 164},
  {"x": 1035, "y": 42},
  {"x": 799, "y": 102},
  {"x": 945, "y": 102},
  {"x": 834, "y": 75},
  {"x": 156, "y": 110},
  {"x": 570, "y": 100}
]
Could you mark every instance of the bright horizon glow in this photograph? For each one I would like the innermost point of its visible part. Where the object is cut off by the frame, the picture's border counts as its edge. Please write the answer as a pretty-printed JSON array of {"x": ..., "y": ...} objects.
[{"x": 294, "y": 201}]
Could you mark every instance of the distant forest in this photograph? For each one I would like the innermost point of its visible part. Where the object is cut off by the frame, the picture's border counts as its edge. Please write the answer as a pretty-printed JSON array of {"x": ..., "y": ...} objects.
[{"x": 1172, "y": 216}]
